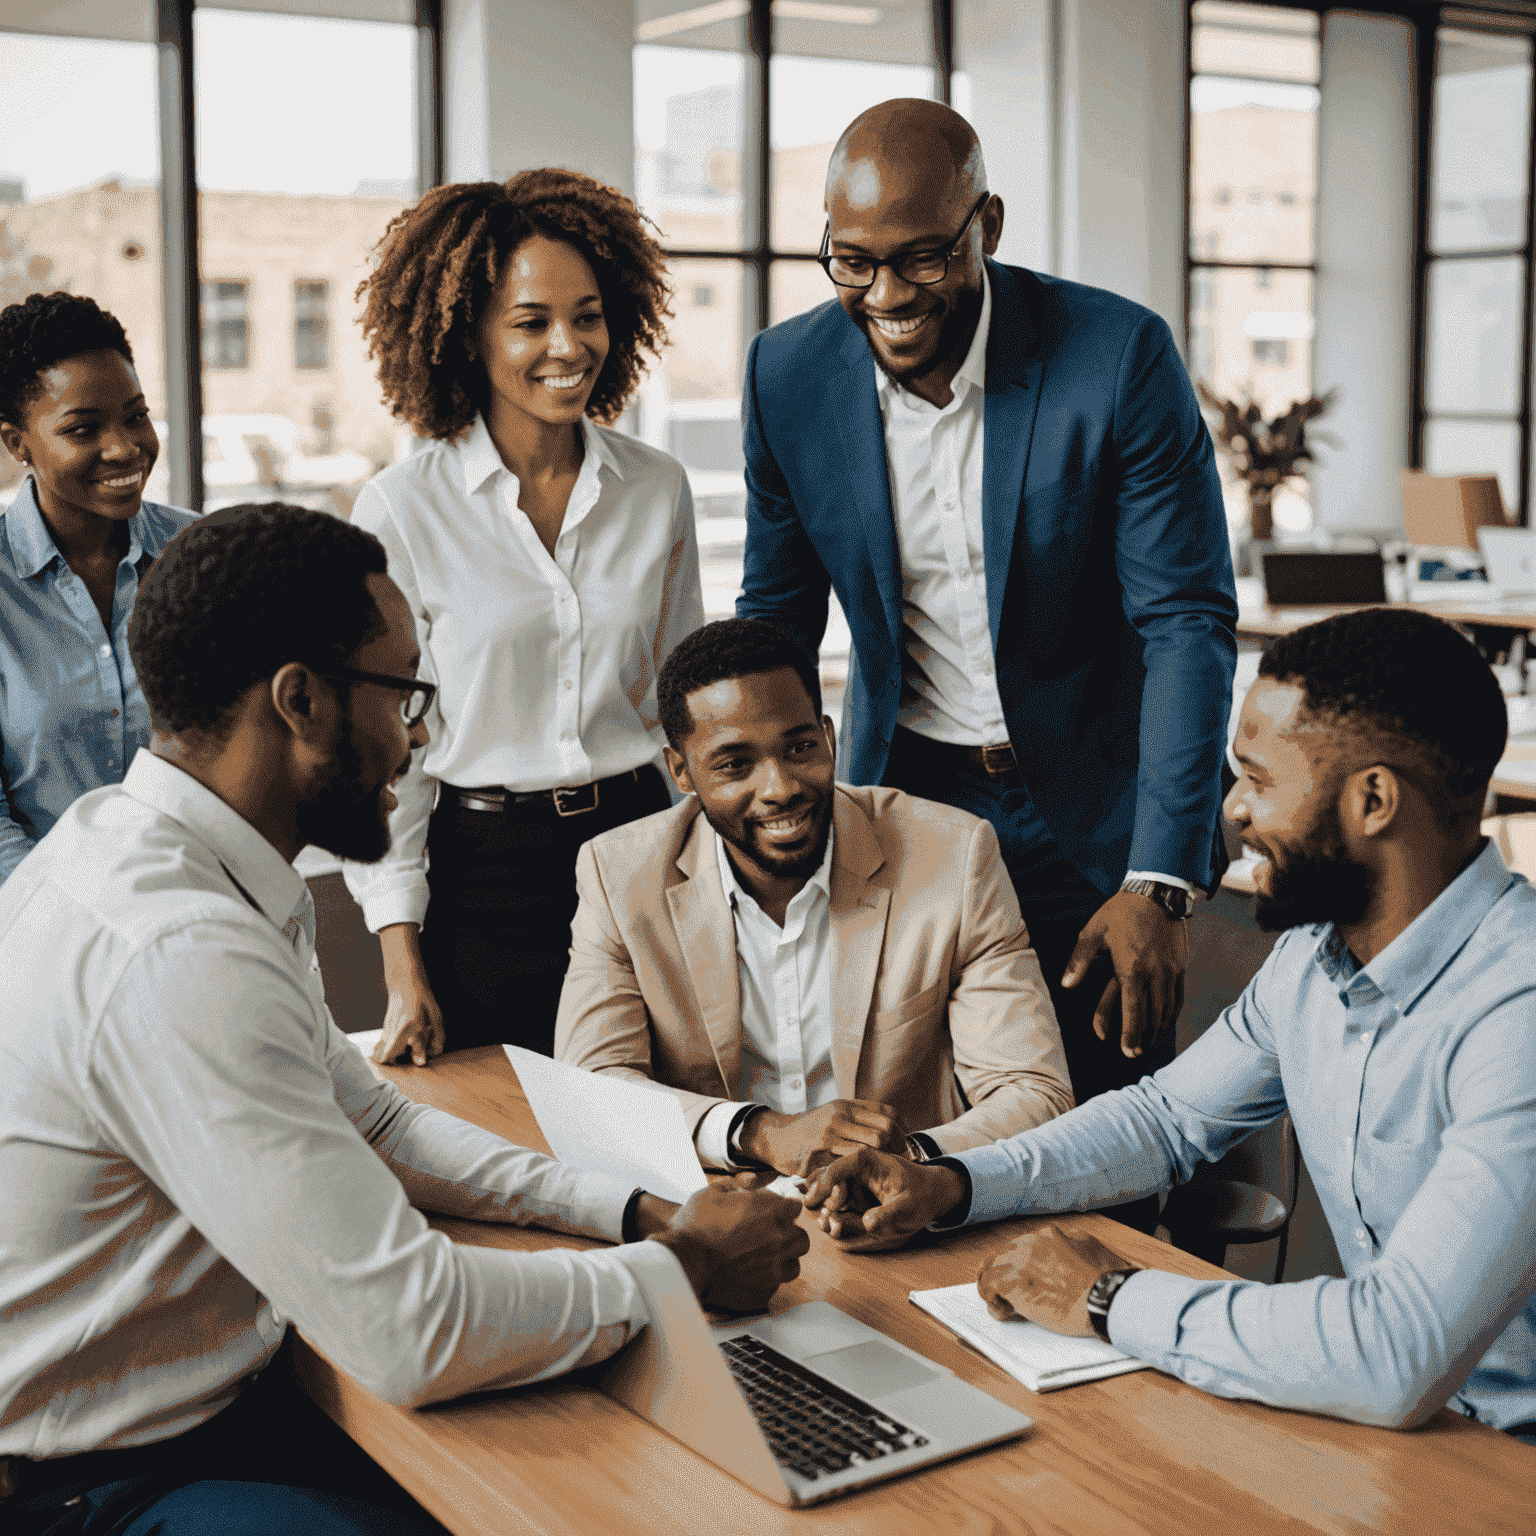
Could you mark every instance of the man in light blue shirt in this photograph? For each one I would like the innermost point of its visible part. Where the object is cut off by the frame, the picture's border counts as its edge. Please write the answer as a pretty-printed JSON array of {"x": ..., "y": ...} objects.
[{"x": 1395, "y": 1020}]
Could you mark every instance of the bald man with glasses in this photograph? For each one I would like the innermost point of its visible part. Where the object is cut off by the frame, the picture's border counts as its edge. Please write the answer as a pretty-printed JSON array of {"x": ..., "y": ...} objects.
[{"x": 1006, "y": 479}]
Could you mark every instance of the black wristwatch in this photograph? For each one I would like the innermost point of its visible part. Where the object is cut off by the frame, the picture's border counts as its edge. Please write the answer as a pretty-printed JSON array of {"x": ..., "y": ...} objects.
[
  {"x": 1102, "y": 1295},
  {"x": 1173, "y": 899}
]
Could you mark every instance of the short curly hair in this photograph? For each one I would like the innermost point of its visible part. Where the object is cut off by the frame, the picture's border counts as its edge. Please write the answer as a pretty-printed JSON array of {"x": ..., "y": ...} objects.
[
  {"x": 719, "y": 652},
  {"x": 238, "y": 595},
  {"x": 42, "y": 330},
  {"x": 437, "y": 266},
  {"x": 1393, "y": 683}
]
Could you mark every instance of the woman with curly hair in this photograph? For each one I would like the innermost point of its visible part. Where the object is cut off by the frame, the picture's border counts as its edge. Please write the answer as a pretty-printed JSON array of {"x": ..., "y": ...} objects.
[
  {"x": 552, "y": 564},
  {"x": 73, "y": 545}
]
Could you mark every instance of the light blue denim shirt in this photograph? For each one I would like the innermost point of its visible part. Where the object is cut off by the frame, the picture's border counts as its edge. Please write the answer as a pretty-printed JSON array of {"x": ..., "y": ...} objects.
[
  {"x": 71, "y": 711},
  {"x": 1412, "y": 1086}
]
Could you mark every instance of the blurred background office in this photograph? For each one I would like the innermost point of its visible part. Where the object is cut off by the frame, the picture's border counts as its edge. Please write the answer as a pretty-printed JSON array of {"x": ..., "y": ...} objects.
[{"x": 1314, "y": 198}]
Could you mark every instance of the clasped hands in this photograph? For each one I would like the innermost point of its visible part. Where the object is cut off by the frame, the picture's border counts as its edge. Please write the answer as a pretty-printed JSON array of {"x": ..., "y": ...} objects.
[{"x": 870, "y": 1200}]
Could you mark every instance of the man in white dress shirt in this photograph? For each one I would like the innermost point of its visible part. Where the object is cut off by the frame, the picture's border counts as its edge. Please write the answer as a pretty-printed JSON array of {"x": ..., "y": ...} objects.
[
  {"x": 192, "y": 1156},
  {"x": 808, "y": 967}
]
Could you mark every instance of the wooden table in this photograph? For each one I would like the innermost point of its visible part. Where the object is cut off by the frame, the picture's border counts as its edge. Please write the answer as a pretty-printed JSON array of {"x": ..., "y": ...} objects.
[
  {"x": 1134, "y": 1454},
  {"x": 1272, "y": 620}
]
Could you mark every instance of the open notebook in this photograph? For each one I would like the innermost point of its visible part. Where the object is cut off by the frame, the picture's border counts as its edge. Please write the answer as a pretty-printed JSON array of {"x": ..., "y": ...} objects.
[{"x": 1042, "y": 1360}]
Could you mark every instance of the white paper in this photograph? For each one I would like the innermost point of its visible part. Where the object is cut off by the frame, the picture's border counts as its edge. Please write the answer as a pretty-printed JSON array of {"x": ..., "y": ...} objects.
[
  {"x": 1042, "y": 1360},
  {"x": 611, "y": 1124}
]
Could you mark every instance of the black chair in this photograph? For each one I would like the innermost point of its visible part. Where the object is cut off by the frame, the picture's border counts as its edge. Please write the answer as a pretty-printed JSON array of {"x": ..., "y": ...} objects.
[{"x": 1205, "y": 1216}]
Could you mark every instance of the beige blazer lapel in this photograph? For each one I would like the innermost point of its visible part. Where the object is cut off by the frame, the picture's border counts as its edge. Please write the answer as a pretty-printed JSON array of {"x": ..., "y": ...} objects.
[
  {"x": 858, "y": 912},
  {"x": 701, "y": 917}
]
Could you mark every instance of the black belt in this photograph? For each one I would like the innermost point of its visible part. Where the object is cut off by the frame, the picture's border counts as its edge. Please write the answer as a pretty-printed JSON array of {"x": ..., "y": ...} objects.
[
  {"x": 567, "y": 800},
  {"x": 994, "y": 761}
]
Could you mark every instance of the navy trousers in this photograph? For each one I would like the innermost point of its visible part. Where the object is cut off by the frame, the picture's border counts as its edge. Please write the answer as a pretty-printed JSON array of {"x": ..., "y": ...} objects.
[
  {"x": 270, "y": 1464},
  {"x": 1057, "y": 899}
]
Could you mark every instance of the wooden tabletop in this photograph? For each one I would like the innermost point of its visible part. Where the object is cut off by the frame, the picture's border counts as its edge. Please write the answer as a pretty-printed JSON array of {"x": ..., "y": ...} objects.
[
  {"x": 1141, "y": 1453},
  {"x": 1273, "y": 619}
]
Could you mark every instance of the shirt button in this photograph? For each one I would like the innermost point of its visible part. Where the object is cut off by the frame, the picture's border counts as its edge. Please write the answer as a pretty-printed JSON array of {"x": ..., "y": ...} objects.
[
  {"x": 1360, "y": 1236},
  {"x": 114, "y": 714},
  {"x": 795, "y": 1085},
  {"x": 106, "y": 650},
  {"x": 965, "y": 575},
  {"x": 567, "y": 682}
]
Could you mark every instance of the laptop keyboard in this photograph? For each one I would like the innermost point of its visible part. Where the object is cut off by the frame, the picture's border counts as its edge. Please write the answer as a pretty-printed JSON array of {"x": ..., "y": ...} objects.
[{"x": 812, "y": 1426}]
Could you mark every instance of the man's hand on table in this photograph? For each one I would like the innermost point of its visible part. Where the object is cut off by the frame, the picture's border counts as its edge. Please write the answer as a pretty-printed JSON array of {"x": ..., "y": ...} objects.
[
  {"x": 736, "y": 1246},
  {"x": 1045, "y": 1278},
  {"x": 871, "y": 1200},
  {"x": 797, "y": 1144},
  {"x": 1150, "y": 951},
  {"x": 412, "y": 1020}
]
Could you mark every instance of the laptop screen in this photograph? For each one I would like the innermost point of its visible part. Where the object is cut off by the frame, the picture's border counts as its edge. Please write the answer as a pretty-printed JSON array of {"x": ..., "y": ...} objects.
[{"x": 1315, "y": 576}]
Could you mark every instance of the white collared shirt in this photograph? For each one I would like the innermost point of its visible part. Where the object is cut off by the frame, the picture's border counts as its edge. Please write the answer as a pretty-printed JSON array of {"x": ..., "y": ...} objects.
[
  {"x": 935, "y": 456},
  {"x": 192, "y": 1155},
  {"x": 785, "y": 979},
  {"x": 545, "y": 665}
]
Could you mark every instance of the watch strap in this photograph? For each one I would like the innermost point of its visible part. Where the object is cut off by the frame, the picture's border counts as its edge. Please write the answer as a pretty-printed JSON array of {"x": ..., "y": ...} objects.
[
  {"x": 922, "y": 1148},
  {"x": 1173, "y": 899},
  {"x": 1101, "y": 1296}
]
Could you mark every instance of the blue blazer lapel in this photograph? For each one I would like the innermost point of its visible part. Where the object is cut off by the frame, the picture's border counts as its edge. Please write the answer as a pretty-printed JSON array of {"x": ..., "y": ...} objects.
[
  {"x": 863, "y": 432},
  {"x": 1012, "y": 399}
]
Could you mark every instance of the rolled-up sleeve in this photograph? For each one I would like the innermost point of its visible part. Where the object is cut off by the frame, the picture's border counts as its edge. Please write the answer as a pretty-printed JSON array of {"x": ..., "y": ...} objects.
[{"x": 300, "y": 1174}]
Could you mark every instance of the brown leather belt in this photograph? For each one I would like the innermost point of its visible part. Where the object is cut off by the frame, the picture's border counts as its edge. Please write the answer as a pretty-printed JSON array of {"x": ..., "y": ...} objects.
[
  {"x": 567, "y": 800},
  {"x": 994, "y": 761}
]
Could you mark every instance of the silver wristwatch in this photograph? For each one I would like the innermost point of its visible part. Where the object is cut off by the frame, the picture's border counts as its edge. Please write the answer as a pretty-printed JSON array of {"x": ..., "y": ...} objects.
[
  {"x": 1102, "y": 1294},
  {"x": 1173, "y": 899}
]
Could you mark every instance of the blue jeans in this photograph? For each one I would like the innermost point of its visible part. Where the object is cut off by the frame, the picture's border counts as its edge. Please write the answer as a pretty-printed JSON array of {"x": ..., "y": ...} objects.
[{"x": 270, "y": 1464}]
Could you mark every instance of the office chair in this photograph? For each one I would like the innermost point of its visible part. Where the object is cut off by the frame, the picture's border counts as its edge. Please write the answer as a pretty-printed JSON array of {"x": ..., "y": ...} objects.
[{"x": 1203, "y": 1218}]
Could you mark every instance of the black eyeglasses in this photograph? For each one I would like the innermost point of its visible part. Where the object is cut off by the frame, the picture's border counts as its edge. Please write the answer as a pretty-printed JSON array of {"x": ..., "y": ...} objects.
[
  {"x": 418, "y": 695},
  {"x": 922, "y": 268}
]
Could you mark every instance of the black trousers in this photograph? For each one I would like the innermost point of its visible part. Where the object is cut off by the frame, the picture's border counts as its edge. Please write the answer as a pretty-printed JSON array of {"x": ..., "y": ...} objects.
[
  {"x": 1057, "y": 899},
  {"x": 269, "y": 1463},
  {"x": 502, "y": 885}
]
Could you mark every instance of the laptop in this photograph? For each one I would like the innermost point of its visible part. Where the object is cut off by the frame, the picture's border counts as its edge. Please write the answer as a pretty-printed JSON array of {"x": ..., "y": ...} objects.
[
  {"x": 1315, "y": 576},
  {"x": 1509, "y": 556},
  {"x": 802, "y": 1407}
]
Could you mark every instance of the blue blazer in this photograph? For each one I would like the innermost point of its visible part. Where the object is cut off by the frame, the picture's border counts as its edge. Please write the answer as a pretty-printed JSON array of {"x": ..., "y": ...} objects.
[{"x": 1109, "y": 576}]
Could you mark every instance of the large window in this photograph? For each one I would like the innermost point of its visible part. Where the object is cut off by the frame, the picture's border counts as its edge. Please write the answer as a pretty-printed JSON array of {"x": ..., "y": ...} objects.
[
  {"x": 1475, "y": 414},
  {"x": 1252, "y": 197},
  {"x": 309, "y": 134},
  {"x": 80, "y": 196},
  {"x": 737, "y": 107}
]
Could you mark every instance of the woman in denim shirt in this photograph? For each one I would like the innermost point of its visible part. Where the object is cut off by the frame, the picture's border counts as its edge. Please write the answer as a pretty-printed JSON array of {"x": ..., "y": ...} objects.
[{"x": 73, "y": 545}]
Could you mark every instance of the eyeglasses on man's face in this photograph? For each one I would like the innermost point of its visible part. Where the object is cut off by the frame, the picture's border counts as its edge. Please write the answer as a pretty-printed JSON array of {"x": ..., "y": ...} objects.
[
  {"x": 920, "y": 268},
  {"x": 417, "y": 694}
]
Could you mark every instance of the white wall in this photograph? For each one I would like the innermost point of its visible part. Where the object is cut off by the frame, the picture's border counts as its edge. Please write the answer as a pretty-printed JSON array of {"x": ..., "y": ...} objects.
[
  {"x": 539, "y": 82},
  {"x": 1364, "y": 296},
  {"x": 1080, "y": 108}
]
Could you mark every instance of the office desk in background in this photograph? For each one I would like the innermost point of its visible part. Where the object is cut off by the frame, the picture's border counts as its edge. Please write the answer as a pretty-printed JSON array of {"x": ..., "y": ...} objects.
[
  {"x": 1271, "y": 620},
  {"x": 1141, "y": 1453}
]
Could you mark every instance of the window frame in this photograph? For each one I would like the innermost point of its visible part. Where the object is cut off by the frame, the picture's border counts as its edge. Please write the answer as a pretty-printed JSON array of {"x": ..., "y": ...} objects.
[
  {"x": 304, "y": 310},
  {"x": 182, "y": 302},
  {"x": 1426, "y": 21},
  {"x": 757, "y": 141}
]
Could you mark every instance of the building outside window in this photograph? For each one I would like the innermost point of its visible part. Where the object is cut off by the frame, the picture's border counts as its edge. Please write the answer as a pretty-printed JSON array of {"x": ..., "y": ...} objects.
[
  {"x": 1252, "y": 194},
  {"x": 81, "y": 210},
  {"x": 226, "y": 325},
  {"x": 311, "y": 324}
]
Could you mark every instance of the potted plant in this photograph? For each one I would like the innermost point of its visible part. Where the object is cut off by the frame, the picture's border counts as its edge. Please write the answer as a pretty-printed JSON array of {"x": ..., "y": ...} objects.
[{"x": 1263, "y": 454}]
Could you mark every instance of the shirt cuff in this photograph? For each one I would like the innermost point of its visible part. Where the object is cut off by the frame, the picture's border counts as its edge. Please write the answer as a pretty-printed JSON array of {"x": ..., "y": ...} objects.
[
  {"x": 995, "y": 1190},
  {"x": 958, "y": 1215},
  {"x": 712, "y": 1139},
  {"x": 1144, "y": 1314},
  {"x": 599, "y": 1202},
  {"x": 406, "y": 904},
  {"x": 1152, "y": 874}
]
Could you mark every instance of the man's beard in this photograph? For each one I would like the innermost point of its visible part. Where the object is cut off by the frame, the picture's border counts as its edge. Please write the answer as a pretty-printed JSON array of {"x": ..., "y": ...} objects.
[
  {"x": 795, "y": 867},
  {"x": 955, "y": 334},
  {"x": 1317, "y": 883},
  {"x": 345, "y": 815}
]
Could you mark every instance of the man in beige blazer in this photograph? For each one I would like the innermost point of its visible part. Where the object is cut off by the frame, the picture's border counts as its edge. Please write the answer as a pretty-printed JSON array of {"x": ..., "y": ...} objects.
[{"x": 809, "y": 967}]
